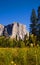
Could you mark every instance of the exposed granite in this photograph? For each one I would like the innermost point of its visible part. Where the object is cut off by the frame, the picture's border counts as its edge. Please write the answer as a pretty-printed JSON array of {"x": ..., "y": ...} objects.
[{"x": 13, "y": 30}]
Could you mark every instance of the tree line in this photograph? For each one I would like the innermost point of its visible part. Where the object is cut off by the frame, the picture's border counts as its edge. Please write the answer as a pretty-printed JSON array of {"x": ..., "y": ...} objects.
[{"x": 8, "y": 42}]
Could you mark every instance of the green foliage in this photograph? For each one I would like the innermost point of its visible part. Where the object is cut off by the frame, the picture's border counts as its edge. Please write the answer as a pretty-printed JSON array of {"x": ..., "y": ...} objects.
[
  {"x": 38, "y": 23},
  {"x": 33, "y": 39},
  {"x": 15, "y": 43},
  {"x": 21, "y": 44},
  {"x": 7, "y": 42},
  {"x": 33, "y": 25},
  {"x": 1, "y": 41},
  {"x": 26, "y": 40}
]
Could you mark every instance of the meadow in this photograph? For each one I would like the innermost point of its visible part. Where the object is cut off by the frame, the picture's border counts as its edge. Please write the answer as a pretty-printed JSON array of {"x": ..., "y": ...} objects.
[{"x": 20, "y": 56}]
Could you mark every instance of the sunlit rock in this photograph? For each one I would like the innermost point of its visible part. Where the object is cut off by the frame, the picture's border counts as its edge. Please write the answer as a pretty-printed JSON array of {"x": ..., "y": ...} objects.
[
  {"x": 14, "y": 30},
  {"x": 1, "y": 29}
]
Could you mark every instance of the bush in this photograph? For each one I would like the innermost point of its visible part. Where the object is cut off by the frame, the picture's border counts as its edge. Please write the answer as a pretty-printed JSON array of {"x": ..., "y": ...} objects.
[{"x": 21, "y": 44}]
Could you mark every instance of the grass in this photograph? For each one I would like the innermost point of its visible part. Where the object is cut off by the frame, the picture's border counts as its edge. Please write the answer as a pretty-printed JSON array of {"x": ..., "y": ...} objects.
[{"x": 20, "y": 56}]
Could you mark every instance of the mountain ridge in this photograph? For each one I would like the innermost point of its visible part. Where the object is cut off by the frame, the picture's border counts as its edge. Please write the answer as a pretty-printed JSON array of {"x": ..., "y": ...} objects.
[{"x": 13, "y": 30}]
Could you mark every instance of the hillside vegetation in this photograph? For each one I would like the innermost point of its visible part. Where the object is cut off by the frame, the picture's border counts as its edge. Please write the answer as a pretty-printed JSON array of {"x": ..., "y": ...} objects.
[{"x": 12, "y": 43}]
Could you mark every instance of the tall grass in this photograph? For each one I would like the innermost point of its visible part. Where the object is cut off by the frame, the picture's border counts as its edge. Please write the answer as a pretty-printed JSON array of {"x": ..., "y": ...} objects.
[{"x": 20, "y": 56}]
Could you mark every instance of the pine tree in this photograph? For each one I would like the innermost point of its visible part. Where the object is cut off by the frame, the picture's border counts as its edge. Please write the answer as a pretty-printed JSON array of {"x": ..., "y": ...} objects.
[
  {"x": 39, "y": 23},
  {"x": 33, "y": 25}
]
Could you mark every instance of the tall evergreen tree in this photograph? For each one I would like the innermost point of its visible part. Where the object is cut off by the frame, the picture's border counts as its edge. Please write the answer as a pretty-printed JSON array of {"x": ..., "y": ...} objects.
[
  {"x": 39, "y": 23},
  {"x": 33, "y": 25}
]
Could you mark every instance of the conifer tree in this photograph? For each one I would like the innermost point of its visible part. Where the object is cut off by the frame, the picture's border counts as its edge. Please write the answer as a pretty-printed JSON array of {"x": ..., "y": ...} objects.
[
  {"x": 33, "y": 25},
  {"x": 39, "y": 23}
]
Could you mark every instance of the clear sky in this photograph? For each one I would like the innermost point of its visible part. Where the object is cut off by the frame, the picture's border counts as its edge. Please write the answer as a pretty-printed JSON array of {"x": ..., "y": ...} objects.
[{"x": 17, "y": 11}]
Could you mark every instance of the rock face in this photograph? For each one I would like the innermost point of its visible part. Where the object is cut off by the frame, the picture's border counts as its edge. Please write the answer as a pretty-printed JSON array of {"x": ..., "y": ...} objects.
[
  {"x": 18, "y": 30},
  {"x": 8, "y": 30},
  {"x": 14, "y": 30},
  {"x": 1, "y": 29}
]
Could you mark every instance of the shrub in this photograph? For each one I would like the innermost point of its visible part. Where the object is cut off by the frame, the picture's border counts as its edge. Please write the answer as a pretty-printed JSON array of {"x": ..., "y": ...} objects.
[{"x": 21, "y": 44}]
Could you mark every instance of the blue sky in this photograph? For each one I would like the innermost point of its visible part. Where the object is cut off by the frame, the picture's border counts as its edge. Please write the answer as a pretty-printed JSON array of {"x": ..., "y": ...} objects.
[{"x": 17, "y": 11}]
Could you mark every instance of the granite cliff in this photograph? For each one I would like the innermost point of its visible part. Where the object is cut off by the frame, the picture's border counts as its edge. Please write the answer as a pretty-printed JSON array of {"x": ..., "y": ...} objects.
[{"x": 13, "y": 30}]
